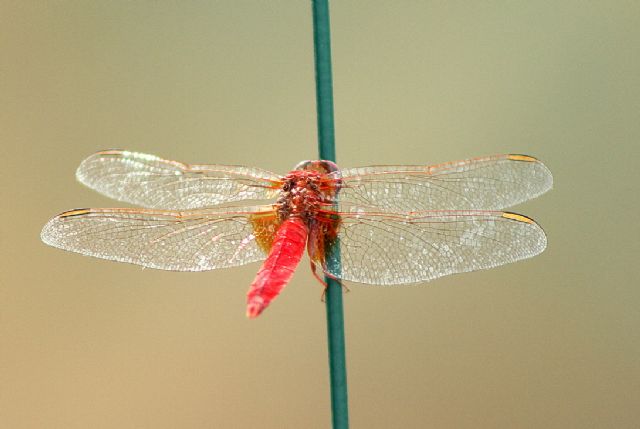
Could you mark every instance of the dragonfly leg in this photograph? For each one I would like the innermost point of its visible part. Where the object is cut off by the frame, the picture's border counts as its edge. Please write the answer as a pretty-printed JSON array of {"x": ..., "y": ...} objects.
[
  {"x": 315, "y": 274},
  {"x": 345, "y": 289},
  {"x": 320, "y": 279}
]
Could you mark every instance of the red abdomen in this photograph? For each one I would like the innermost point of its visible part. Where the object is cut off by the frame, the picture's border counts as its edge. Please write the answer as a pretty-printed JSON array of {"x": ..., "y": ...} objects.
[{"x": 279, "y": 266}]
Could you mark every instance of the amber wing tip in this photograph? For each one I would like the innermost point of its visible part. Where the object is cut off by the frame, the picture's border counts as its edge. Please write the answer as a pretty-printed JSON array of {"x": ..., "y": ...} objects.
[
  {"x": 518, "y": 217},
  {"x": 521, "y": 157},
  {"x": 112, "y": 151},
  {"x": 74, "y": 212}
]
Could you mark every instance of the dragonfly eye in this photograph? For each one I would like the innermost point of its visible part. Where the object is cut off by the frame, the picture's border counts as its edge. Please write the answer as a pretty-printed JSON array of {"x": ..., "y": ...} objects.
[
  {"x": 303, "y": 165},
  {"x": 321, "y": 166}
]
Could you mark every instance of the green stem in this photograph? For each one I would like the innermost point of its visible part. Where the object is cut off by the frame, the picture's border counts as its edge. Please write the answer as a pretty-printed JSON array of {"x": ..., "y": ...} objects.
[{"x": 326, "y": 146}]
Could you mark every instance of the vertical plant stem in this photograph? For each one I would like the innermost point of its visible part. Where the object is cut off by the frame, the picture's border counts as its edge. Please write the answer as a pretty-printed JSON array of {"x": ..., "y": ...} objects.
[{"x": 326, "y": 147}]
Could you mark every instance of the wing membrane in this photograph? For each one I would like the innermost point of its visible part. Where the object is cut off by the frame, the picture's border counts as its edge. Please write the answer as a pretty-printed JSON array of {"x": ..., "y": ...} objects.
[
  {"x": 489, "y": 183},
  {"x": 197, "y": 240},
  {"x": 153, "y": 182},
  {"x": 389, "y": 249}
]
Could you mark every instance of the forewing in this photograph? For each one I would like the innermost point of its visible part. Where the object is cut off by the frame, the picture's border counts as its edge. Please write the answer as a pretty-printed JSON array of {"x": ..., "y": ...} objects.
[
  {"x": 150, "y": 181},
  {"x": 196, "y": 240},
  {"x": 388, "y": 249},
  {"x": 489, "y": 183}
]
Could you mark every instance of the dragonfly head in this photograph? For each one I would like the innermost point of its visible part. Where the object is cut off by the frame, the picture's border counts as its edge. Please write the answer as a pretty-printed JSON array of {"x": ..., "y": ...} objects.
[{"x": 321, "y": 166}]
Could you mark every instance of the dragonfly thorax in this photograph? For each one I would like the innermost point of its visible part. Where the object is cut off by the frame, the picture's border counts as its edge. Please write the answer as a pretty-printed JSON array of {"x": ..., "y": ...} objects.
[{"x": 302, "y": 194}]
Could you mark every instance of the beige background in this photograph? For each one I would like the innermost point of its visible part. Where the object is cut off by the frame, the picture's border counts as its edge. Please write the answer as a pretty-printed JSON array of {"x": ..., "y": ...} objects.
[{"x": 551, "y": 342}]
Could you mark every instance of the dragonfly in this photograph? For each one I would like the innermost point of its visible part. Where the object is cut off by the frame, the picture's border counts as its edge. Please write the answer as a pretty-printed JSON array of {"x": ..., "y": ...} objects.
[{"x": 377, "y": 225}]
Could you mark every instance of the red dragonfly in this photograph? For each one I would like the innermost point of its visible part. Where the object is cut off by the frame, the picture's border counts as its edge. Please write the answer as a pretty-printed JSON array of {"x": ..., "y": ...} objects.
[{"x": 381, "y": 225}]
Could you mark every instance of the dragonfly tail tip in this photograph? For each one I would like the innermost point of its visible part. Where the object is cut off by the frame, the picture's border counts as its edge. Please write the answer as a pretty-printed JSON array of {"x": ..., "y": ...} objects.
[{"x": 254, "y": 309}]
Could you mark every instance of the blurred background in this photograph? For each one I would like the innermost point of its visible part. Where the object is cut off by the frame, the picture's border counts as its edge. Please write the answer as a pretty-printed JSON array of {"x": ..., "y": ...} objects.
[{"x": 551, "y": 342}]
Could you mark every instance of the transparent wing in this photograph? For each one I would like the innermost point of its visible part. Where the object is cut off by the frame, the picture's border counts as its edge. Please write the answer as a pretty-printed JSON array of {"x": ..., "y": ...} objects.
[
  {"x": 196, "y": 240},
  {"x": 489, "y": 183},
  {"x": 153, "y": 182},
  {"x": 388, "y": 249}
]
